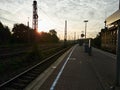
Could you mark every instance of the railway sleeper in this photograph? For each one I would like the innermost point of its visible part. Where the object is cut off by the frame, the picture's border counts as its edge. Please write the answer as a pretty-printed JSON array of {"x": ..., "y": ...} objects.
[
  {"x": 9, "y": 88},
  {"x": 28, "y": 77},
  {"x": 15, "y": 86},
  {"x": 35, "y": 72},
  {"x": 38, "y": 68},
  {"x": 18, "y": 84},
  {"x": 20, "y": 80},
  {"x": 32, "y": 74}
]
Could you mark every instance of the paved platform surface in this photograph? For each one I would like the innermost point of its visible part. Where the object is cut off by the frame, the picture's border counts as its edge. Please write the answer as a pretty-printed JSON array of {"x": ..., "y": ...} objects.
[{"x": 79, "y": 71}]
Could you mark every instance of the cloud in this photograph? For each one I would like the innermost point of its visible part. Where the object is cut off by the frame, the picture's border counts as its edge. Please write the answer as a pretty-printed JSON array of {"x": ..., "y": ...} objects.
[
  {"x": 8, "y": 20},
  {"x": 75, "y": 11},
  {"x": 5, "y": 12},
  {"x": 72, "y": 8},
  {"x": 78, "y": 10},
  {"x": 6, "y": 15}
]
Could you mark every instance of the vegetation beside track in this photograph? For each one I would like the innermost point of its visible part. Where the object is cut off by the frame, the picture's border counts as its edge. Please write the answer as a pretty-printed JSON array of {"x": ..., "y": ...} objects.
[{"x": 15, "y": 65}]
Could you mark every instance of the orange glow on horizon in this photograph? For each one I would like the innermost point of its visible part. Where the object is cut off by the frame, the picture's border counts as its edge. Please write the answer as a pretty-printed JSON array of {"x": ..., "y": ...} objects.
[{"x": 38, "y": 31}]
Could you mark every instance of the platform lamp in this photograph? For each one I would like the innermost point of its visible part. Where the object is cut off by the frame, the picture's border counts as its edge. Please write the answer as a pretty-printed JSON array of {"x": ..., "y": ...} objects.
[{"x": 85, "y": 27}]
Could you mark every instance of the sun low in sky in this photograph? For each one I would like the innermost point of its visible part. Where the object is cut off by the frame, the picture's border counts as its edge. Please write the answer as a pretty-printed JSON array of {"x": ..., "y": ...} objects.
[{"x": 53, "y": 13}]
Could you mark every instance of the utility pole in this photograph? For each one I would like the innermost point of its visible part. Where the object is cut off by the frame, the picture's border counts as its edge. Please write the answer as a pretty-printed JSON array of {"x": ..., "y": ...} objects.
[
  {"x": 65, "y": 34},
  {"x": 119, "y": 4},
  {"x": 28, "y": 31},
  {"x": 35, "y": 20},
  {"x": 35, "y": 16},
  {"x": 28, "y": 22},
  {"x": 74, "y": 36},
  {"x": 105, "y": 24}
]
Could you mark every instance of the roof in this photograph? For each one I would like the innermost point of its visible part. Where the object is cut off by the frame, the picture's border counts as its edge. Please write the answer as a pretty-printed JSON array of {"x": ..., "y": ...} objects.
[{"x": 113, "y": 18}]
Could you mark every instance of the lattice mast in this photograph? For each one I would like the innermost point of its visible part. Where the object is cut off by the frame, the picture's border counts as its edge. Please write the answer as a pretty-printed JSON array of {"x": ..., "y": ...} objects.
[
  {"x": 35, "y": 16},
  {"x": 119, "y": 4}
]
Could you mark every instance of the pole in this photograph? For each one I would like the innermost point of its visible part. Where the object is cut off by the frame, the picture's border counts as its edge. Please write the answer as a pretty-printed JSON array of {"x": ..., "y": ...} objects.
[
  {"x": 118, "y": 56},
  {"x": 85, "y": 27},
  {"x": 28, "y": 22},
  {"x": 74, "y": 36},
  {"x": 65, "y": 35},
  {"x": 119, "y": 4},
  {"x": 28, "y": 30}
]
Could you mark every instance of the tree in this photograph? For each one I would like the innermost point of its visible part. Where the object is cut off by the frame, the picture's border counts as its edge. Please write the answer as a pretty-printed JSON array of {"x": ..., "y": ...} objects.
[
  {"x": 47, "y": 37},
  {"x": 54, "y": 37},
  {"x": 22, "y": 33},
  {"x": 5, "y": 34},
  {"x": 97, "y": 41},
  {"x": 52, "y": 32},
  {"x": 44, "y": 37}
]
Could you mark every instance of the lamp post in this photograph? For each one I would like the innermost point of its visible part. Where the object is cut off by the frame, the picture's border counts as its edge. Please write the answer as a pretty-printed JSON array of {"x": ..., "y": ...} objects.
[{"x": 85, "y": 27}]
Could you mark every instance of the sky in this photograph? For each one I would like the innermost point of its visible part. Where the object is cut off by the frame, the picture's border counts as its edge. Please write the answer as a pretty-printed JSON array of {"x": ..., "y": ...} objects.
[{"x": 53, "y": 13}]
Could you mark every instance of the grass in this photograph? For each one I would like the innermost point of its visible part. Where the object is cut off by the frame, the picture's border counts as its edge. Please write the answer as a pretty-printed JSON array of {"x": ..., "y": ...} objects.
[
  {"x": 15, "y": 65},
  {"x": 12, "y": 64}
]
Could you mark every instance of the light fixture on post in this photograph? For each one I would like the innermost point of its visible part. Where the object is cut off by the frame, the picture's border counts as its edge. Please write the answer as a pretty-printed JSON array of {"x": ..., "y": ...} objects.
[{"x": 85, "y": 27}]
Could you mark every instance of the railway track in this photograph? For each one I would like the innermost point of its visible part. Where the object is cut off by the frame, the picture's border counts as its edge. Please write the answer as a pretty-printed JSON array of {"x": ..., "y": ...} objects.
[
  {"x": 18, "y": 52},
  {"x": 19, "y": 82}
]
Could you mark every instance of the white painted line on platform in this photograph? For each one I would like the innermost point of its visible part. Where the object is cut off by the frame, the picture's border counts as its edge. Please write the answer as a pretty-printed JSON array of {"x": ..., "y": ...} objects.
[
  {"x": 59, "y": 74},
  {"x": 36, "y": 84}
]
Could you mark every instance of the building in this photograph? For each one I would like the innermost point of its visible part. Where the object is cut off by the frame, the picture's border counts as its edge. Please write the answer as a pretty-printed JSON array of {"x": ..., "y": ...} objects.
[{"x": 109, "y": 33}]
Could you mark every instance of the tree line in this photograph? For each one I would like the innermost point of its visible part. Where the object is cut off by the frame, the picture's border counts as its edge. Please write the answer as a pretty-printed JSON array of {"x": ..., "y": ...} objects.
[{"x": 23, "y": 34}]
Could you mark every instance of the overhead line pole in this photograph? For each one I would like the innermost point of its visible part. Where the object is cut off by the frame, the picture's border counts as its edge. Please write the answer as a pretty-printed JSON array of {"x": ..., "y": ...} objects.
[
  {"x": 65, "y": 34},
  {"x": 74, "y": 37},
  {"x": 119, "y": 4}
]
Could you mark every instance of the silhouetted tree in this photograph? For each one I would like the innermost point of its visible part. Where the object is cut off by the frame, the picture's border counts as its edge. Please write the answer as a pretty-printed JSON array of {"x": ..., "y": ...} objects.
[
  {"x": 5, "y": 34},
  {"x": 47, "y": 37},
  {"x": 44, "y": 37},
  {"x": 22, "y": 33},
  {"x": 52, "y": 32},
  {"x": 1, "y": 26},
  {"x": 54, "y": 39},
  {"x": 97, "y": 41}
]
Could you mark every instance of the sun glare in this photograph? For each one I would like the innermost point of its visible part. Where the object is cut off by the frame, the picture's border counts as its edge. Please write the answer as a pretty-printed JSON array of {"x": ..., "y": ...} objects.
[{"x": 38, "y": 31}]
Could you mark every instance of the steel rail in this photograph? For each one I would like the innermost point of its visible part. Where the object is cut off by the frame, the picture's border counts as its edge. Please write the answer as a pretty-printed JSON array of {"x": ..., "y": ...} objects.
[{"x": 4, "y": 85}]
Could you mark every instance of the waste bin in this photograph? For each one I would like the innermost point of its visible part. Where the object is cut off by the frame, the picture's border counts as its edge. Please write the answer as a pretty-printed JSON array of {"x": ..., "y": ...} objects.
[
  {"x": 89, "y": 51},
  {"x": 86, "y": 48}
]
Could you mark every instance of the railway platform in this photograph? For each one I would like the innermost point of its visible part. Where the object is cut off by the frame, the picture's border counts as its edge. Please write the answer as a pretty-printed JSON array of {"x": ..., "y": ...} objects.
[{"x": 76, "y": 70}]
